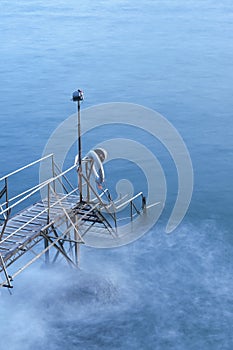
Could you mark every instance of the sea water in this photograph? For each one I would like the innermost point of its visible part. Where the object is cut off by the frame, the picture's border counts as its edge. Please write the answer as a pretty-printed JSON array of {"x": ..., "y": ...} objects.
[{"x": 163, "y": 291}]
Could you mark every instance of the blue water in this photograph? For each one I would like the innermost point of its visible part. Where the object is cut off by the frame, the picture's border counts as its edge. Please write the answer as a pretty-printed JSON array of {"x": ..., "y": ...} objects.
[{"x": 163, "y": 291}]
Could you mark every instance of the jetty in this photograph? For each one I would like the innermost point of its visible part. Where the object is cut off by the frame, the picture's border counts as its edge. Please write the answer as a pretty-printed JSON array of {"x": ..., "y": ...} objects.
[{"x": 53, "y": 218}]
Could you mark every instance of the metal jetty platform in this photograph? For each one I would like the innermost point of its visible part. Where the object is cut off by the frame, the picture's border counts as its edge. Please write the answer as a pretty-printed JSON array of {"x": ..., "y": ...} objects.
[
  {"x": 22, "y": 231},
  {"x": 54, "y": 217},
  {"x": 59, "y": 221}
]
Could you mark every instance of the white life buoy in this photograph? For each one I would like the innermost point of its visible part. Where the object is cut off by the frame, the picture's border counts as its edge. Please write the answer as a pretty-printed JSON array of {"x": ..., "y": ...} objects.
[{"x": 98, "y": 156}]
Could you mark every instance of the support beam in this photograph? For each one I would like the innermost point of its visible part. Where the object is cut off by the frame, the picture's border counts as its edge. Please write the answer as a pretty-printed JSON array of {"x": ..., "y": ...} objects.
[{"x": 8, "y": 278}]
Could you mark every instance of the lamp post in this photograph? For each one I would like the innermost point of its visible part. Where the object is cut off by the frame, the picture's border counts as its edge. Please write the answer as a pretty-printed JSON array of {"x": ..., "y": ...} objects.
[{"x": 78, "y": 97}]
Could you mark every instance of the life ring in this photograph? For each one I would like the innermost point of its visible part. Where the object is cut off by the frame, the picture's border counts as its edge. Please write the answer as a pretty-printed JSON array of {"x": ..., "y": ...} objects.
[{"x": 98, "y": 156}]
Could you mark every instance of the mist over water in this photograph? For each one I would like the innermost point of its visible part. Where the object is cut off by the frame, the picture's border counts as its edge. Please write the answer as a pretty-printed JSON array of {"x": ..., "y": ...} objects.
[
  {"x": 168, "y": 292},
  {"x": 162, "y": 291}
]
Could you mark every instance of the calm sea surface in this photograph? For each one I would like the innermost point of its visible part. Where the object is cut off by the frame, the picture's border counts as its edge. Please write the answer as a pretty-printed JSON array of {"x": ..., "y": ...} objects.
[{"x": 174, "y": 56}]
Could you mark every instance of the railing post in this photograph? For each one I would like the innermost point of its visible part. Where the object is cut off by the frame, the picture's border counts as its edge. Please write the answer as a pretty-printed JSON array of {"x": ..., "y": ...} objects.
[
  {"x": 143, "y": 203},
  {"x": 7, "y": 196},
  {"x": 48, "y": 204},
  {"x": 8, "y": 278},
  {"x": 53, "y": 173},
  {"x": 131, "y": 210},
  {"x": 46, "y": 242},
  {"x": 76, "y": 245},
  {"x": 88, "y": 177},
  {"x": 6, "y": 216}
]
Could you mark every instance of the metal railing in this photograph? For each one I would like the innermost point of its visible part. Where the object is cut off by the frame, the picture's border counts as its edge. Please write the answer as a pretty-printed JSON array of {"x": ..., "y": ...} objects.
[
  {"x": 10, "y": 203},
  {"x": 132, "y": 205}
]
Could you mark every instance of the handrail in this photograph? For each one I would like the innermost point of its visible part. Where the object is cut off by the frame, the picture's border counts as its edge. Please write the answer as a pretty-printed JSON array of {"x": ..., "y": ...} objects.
[
  {"x": 67, "y": 180},
  {"x": 132, "y": 204},
  {"x": 37, "y": 215},
  {"x": 25, "y": 167},
  {"x": 26, "y": 191},
  {"x": 37, "y": 189},
  {"x": 129, "y": 200}
]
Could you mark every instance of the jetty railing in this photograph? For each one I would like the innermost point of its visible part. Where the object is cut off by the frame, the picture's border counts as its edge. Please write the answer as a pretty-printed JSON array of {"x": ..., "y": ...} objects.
[
  {"x": 132, "y": 205},
  {"x": 24, "y": 229},
  {"x": 53, "y": 211}
]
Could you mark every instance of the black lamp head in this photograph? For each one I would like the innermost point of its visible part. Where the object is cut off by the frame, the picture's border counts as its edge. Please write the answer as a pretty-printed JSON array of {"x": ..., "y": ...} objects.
[{"x": 77, "y": 95}]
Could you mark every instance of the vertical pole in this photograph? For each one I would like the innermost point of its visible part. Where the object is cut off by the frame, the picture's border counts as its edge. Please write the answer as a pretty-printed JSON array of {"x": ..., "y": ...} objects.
[
  {"x": 46, "y": 243},
  {"x": 77, "y": 97},
  {"x": 6, "y": 216},
  {"x": 131, "y": 210},
  {"x": 7, "y": 196},
  {"x": 79, "y": 155},
  {"x": 76, "y": 245},
  {"x": 53, "y": 172},
  {"x": 143, "y": 204},
  {"x": 8, "y": 278},
  {"x": 88, "y": 177}
]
